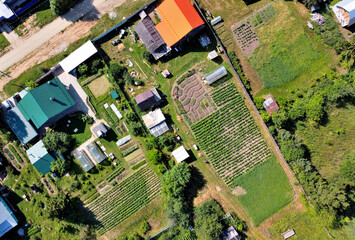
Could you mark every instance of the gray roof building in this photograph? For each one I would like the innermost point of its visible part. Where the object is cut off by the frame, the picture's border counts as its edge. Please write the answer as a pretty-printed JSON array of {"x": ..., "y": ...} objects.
[
  {"x": 230, "y": 234},
  {"x": 100, "y": 130},
  {"x": 148, "y": 99}
]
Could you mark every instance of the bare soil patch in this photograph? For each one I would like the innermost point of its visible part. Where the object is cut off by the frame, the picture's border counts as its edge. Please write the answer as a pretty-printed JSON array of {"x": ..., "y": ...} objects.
[
  {"x": 245, "y": 36},
  {"x": 237, "y": 191}
]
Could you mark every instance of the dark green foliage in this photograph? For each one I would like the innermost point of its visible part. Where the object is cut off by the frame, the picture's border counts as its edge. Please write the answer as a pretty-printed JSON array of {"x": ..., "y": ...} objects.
[
  {"x": 87, "y": 233},
  {"x": 144, "y": 227},
  {"x": 60, "y": 7},
  {"x": 117, "y": 71},
  {"x": 236, "y": 64},
  {"x": 258, "y": 101},
  {"x": 96, "y": 65},
  {"x": 56, "y": 206},
  {"x": 129, "y": 151},
  {"x": 131, "y": 116},
  {"x": 136, "y": 128},
  {"x": 167, "y": 141},
  {"x": 176, "y": 180},
  {"x": 207, "y": 223},
  {"x": 155, "y": 156},
  {"x": 83, "y": 69},
  {"x": 138, "y": 165},
  {"x": 147, "y": 56},
  {"x": 310, "y": 3},
  {"x": 87, "y": 119},
  {"x": 60, "y": 166},
  {"x": 59, "y": 142}
]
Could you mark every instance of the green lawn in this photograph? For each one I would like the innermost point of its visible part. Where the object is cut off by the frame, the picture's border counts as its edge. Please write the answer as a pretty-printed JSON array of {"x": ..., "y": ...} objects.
[
  {"x": 287, "y": 51},
  {"x": 267, "y": 191},
  {"x": 83, "y": 132},
  {"x": 309, "y": 226},
  {"x": 3, "y": 42}
]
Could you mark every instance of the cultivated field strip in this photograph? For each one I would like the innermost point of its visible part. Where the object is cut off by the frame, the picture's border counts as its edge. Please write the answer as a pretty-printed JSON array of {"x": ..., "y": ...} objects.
[
  {"x": 126, "y": 198},
  {"x": 230, "y": 137}
]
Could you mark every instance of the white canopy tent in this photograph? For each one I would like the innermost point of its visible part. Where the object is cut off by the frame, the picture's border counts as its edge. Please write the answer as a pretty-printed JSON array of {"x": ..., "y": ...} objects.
[{"x": 78, "y": 56}]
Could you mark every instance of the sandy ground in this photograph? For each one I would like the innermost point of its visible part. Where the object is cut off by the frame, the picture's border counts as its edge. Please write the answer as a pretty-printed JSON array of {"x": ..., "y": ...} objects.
[{"x": 54, "y": 38}]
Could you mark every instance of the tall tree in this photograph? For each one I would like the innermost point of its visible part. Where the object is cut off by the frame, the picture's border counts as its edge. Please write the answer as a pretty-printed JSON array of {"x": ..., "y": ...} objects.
[{"x": 59, "y": 142}]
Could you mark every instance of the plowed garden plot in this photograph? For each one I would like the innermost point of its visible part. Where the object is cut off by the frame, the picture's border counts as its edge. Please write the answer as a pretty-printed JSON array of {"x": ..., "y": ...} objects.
[
  {"x": 230, "y": 137},
  {"x": 124, "y": 199},
  {"x": 246, "y": 37},
  {"x": 194, "y": 98}
]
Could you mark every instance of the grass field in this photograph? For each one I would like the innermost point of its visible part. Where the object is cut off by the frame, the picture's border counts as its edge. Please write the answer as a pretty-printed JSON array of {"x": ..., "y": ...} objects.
[
  {"x": 99, "y": 86},
  {"x": 267, "y": 191},
  {"x": 309, "y": 226},
  {"x": 3, "y": 42},
  {"x": 328, "y": 148},
  {"x": 286, "y": 50}
]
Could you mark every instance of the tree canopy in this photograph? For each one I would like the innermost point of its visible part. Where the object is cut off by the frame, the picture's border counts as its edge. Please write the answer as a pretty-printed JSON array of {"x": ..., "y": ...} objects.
[
  {"x": 59, "y": 142},
  {"x": 176, "y": 180},
  {"x": 56, "y": 206},
  {"x": 60, "y": 166},
  {"x": 207, "y": 223}
]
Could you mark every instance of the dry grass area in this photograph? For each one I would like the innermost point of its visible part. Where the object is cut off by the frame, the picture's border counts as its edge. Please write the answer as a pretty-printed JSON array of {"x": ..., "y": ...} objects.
[{"x": 99, "y": 86}]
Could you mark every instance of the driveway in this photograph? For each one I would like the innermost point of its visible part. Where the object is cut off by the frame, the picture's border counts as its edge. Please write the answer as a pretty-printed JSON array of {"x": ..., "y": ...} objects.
[{"x": 27, "y": 45}]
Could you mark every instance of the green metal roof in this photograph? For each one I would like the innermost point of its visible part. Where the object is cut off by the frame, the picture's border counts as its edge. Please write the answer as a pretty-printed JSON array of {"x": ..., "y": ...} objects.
[
  {"x": 40, "y": 158},
  {"x": 45, "y": 102},
  {"x": 20, "y": 126},
  {"x": 114, "y": 95}
]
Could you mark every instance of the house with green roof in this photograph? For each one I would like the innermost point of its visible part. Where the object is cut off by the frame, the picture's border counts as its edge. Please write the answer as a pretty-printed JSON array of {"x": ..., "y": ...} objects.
[
  {"x": 45, "y": 102},
  {"x": 40, "y": 158},
  {"x": 37, "y": 107}
]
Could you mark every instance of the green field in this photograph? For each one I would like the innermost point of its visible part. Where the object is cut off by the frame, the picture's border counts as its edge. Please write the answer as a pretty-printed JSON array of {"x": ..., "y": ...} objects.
[
  {"x": 267, "y": 191},
  {"x": 288, "y": 52},
  {"x": 3, "y": 42},
  {"x": 327, "y": 147}
]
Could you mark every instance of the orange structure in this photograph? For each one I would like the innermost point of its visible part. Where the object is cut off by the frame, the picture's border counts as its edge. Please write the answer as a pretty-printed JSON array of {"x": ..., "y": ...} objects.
[{"x": 178, "y": 18}]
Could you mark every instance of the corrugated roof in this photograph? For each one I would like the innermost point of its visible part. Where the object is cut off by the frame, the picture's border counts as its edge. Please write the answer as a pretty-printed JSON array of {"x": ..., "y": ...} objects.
[
  {"x": 7, "y": 218},
  {"x": 270, "y": 105},
  {"x": 99, "y": 130},
  {"x": 83, "y": 160},
  {"x": 179, "y": 17},
  {"x": 148, "y": 99},
  {"x": 149, "y": 35},
  {"x": 180, "y": 154},
  {"x": 153, "y": 118},
  {"x": 40, "y": 158},
  {"x": 20, "y": 126},
  {"x": 217, "y": 74},
  {"x": 95, "y": 153},
  {"x": 45, "y": 102},
  {"x": 349, "y": 6},
  {"x": 159, "y": 129},
  {"x": 78, "y": 56}
]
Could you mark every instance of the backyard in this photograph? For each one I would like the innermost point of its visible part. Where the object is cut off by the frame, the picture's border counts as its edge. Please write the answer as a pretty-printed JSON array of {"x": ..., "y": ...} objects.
[{"x": 265, "y": 184}]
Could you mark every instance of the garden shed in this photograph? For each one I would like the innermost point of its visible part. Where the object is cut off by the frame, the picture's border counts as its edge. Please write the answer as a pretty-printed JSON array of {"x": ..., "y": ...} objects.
[
  {"x": 216, "y": 75},
  {"x": 180, "y": 154},
  {"x": 7, "y": 219},
  {"x": 40, "y": 158},
  {"x": 100, "y": 130},
  {"x": 155, "y": 122},
  {"x": 271, "y": 105},
  {"x": 345, "y": 12},
  {"x": 212, "y": 55},
  {"x": 148, "y": 99},
  {"x": 79, "y": 56},
  {"x": 230, "y": 234},
  {"x": 114, "y": 95}
]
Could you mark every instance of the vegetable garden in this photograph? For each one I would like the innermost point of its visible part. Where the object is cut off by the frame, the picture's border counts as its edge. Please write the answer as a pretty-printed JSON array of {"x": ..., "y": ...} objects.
[
  {"x": 230, "y": 137},
  {"x": 125, "y": 199}
]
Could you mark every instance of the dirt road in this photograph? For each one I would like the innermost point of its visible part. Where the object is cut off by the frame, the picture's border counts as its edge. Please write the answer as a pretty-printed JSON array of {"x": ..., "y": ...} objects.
[{"x": 51, "y": 39}]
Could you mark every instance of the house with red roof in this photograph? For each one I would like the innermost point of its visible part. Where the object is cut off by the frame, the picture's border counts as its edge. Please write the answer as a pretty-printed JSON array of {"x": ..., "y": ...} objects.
[{"x": 179, "y": 20}]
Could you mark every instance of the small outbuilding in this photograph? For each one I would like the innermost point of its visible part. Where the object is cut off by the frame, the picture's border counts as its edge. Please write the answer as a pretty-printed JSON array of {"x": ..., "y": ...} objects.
[
  {"x": 155, "y": 122},
  {"x": 230, "y": 234},
  {"x": 212, "y": 55},
  {"x": 289, "y": 233},
  {"x": 165, "y": 73},
  {"x": 148, "y": 99},
  {"x": 180, "y": 154},
  {"x": 216, "y": 75},
  {"x": 345, "y": 12},
  {"x": 124, "y": 140},
  {"x": 114, "y": 95},
  {"x": 271, "y": 105},
  {"x": 100, "y": 130},
  {"x": 40, "y": 158}
]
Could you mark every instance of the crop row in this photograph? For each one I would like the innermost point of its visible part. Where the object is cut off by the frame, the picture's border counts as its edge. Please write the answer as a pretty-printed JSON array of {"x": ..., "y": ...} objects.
[
  {"x": 230, "y": 137},
  {"x": 125, "y": 199},
  {"x": 117, "y": 172}
]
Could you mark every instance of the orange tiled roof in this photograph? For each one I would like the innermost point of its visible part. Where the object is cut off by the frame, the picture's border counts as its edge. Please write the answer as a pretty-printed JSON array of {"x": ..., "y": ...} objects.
[{"x": 179, "y": 17}]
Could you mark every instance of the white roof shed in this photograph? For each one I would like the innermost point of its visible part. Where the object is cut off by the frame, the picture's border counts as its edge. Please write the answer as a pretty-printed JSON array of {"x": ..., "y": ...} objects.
[
  {"x": 180, "y": 154},
  {"x": 78, "y": 56}
]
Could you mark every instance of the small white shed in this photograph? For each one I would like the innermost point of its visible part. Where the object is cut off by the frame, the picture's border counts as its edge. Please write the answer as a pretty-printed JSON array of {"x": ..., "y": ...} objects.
[{"x": 180, "y": 154}]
